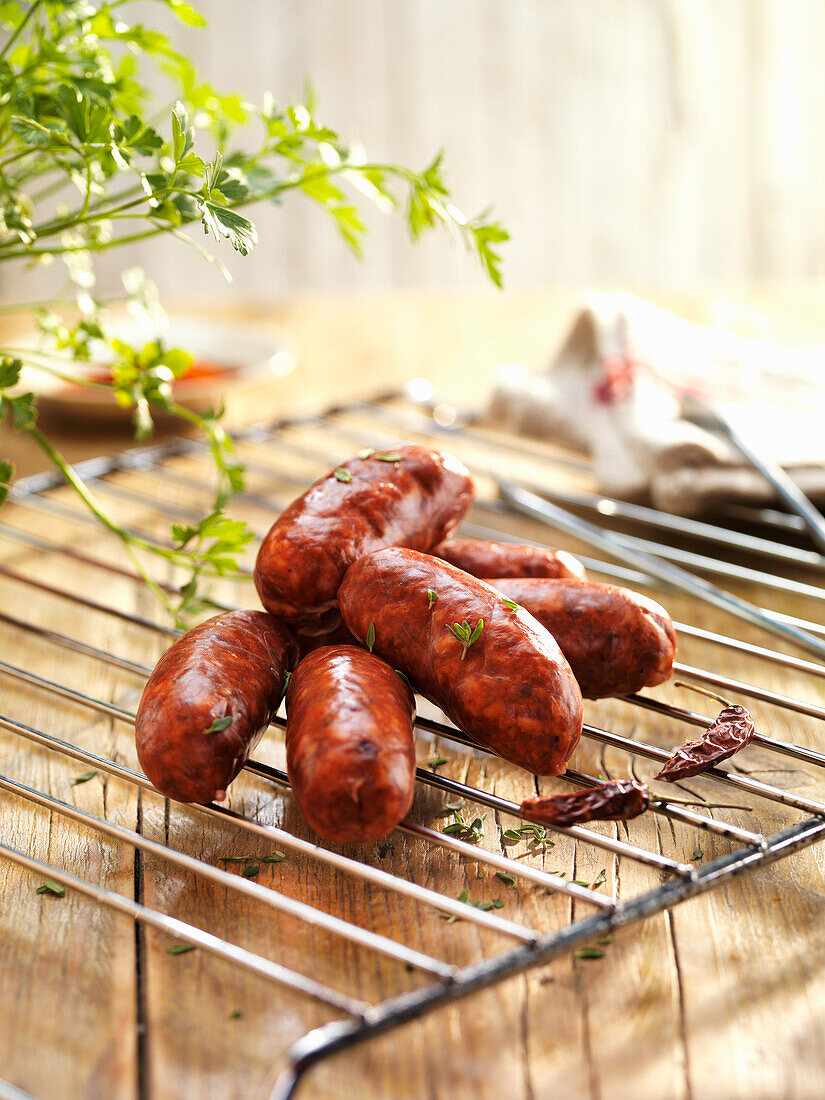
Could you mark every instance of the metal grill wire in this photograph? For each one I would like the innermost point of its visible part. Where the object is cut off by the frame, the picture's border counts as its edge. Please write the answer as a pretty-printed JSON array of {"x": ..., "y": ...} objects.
[{"x": 282, "y": 459}]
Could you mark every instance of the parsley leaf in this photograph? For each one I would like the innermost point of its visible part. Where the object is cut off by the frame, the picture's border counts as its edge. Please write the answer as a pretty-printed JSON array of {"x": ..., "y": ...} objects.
[
  {"x": 9, "y": 372},
  {"x": 223, "y": 222},
  {"x": 6, "y": 474}
]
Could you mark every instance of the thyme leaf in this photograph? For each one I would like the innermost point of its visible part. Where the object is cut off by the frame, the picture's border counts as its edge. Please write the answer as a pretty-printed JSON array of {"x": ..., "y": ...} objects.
[
  {"x": 466, "y": 634},
  {"x": 589, "y": 953},
  {"x": 84, "y": 778},
  {"x": 220, "y": 724},
  {"x": 57, "y": 889}
]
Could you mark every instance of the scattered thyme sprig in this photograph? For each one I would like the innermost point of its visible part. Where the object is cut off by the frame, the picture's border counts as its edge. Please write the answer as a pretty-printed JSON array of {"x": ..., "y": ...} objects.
[
  {"x": 472, "y": 831},
  {"x": 466, "y": 634}
]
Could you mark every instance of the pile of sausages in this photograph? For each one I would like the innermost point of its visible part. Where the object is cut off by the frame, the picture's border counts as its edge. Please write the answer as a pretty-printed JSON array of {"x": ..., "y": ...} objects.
[{"x": 367, "y": 599}]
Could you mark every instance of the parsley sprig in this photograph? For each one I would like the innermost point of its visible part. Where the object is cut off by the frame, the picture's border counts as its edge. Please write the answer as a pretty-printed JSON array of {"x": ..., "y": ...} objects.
[{"x": 91, "y": 160}]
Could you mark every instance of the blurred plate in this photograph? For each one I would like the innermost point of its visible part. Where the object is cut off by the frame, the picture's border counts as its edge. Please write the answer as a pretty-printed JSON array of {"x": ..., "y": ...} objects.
[{"x": 227, "y": 356}]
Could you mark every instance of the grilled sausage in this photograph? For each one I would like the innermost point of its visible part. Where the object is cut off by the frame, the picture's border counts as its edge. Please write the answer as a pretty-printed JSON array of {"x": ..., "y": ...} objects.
[
  {"x": 350, "y": 752},
  {"x": 510, "y": 689},
  {"x": 412, "y": 496},
  {"x": 504, "y": 559},
  {"x": 232, "y": 667},
  {"x": 615, "y": 640}
]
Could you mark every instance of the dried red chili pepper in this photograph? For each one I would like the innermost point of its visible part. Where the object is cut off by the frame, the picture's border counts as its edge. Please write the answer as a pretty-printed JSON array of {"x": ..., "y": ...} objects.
[
  {"x": 732, "y": 731},
  {"x": 616, "y": 800}
]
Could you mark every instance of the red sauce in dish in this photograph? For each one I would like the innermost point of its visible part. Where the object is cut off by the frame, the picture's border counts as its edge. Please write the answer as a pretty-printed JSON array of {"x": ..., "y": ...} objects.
[{"x": 199, "y": 370}]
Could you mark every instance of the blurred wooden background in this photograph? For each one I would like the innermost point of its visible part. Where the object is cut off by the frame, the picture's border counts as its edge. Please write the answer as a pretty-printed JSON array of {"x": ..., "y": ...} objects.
[
  {"x": 635, "y": 142},
  {"x": 643, "y": 143}
]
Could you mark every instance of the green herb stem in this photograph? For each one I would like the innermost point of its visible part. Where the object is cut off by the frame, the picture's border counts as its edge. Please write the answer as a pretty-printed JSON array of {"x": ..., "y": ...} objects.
[{"x": 18, "y": 30}]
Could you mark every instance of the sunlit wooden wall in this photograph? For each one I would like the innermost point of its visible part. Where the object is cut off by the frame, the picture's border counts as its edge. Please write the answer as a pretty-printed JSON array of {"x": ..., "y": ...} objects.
[{"x": 637, "y": 142}]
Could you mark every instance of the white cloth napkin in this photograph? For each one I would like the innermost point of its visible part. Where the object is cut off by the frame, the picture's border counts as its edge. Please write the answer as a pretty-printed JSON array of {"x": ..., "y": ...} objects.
[{"x": 615, "y": 389}]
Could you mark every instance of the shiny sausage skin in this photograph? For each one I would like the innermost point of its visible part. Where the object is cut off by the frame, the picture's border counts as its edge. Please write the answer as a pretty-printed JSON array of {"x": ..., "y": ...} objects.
[
  {"x": 416, "y": 501},
  {"x": 513, "y": 692},
  {"x": 231, "y": 666},
  {"x": 504, "y": 559},
  {"x": 615, "y": 640},
  {"x": 350, "y": 752}
]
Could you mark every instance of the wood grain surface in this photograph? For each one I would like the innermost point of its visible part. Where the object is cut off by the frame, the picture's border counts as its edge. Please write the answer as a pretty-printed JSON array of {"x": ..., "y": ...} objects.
[{"x": 721, "y": 998}]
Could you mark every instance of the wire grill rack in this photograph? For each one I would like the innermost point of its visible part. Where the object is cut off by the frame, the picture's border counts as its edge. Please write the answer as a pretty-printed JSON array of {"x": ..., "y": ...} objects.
[{"x": 80, "y": 635}]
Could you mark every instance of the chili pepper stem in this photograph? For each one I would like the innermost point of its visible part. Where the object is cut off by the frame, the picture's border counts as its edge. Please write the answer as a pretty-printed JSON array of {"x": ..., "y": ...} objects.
[
  {"x": 703, "y": 691},
  {"x": 698, "y": 802}
]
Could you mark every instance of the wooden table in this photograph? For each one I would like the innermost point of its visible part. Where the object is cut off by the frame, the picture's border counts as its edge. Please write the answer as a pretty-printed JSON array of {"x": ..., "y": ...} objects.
[{"x": 721, "y": 998}]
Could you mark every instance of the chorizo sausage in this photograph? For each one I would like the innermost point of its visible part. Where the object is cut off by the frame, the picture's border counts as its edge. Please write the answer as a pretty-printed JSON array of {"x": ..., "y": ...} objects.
[
  {"x": 493, "y": 670},
  {"x": 504, "y": 559},
  {"x": 350, "y": 752},
  {"x": 207, "y": 703},
  {"x": 411, "y": 496},
  {"x": 615, "y": 640}
]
